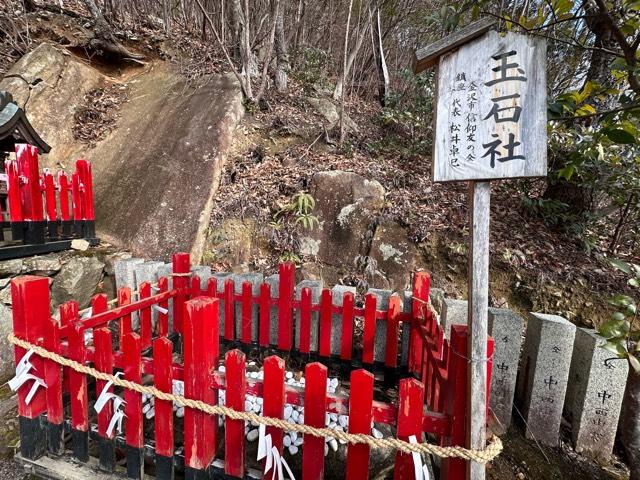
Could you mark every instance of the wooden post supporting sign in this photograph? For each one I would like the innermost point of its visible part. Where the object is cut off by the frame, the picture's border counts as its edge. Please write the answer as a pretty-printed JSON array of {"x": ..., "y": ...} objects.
[{"x": 490, "y": 124}]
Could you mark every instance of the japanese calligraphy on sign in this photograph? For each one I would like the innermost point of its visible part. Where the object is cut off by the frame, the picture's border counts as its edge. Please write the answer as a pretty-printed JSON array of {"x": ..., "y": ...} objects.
[{"x": 491, "y": 110}]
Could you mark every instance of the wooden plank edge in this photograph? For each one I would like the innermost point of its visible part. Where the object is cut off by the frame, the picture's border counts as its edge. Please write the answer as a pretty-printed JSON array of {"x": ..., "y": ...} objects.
[{"x": 426, "y": 57}]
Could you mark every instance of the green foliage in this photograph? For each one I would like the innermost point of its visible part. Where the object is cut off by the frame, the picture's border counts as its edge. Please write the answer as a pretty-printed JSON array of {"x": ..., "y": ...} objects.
[
  {"x": 409, "y": 112},
  {"x": 285, "y": 225},
  {"x": 312, "y": 67},
  {"x": 621, "y": 338}
]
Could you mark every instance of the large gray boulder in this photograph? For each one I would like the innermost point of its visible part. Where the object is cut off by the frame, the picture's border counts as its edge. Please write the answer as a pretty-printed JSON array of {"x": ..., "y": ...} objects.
[
  {"x": 331, "y": 113},
  {"x": 7, "y": 366},
  {"x": 394, "y": 255},
  {"x": 77, "y": 280},
  {"x": 346, "y": 207},
  {"x": 10, "y": 268}
]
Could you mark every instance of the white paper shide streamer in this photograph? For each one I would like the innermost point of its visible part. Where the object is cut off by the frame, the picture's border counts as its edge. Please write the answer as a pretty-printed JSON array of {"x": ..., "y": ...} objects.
[
  {"x": 421, "y": 472},
  {"x": 118, "y": 406},
  {"x": 273, "y": 460},
  {"x": 22, "y": 375}
]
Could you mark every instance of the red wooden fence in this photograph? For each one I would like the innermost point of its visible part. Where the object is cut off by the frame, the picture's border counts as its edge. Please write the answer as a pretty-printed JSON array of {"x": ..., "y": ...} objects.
[
  {"x": 432, "y": 399},
  {"x": 38, "y": 203}
]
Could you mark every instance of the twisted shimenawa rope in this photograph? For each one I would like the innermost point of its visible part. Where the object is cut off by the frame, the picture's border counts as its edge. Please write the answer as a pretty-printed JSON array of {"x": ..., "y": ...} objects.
[{"x": 491, "y": 451}]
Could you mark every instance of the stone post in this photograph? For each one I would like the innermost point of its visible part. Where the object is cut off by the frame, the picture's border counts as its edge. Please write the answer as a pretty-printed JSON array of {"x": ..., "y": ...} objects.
[
  {"x": 453, "y": 312},
  {"x": 542, "y": 380},
  {"x": 256, "y": 280},
  {"x": 380, "y": 342},
  {"x": 506, "y": 329},
  {"x": 594, "y": 396}
]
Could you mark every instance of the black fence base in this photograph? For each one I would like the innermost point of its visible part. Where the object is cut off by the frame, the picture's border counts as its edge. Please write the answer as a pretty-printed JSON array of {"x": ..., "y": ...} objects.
[
  {"x": 196, "y": 474},
  {"x": 107, "y": 459},
  {"x": 80, "y": 441},
  {"x": 67, "y": 227},
  {"x": 55, "y": 438},
  {"x": 135, "y": 462},
  {"x": 33, "y": 437},
  {"x": 35, "y": 232},
  {"x": 164, "y": 468}
]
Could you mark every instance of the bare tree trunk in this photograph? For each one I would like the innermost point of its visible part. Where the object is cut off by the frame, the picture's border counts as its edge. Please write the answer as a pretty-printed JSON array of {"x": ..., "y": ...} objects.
[
  {"x": 103, "y": 37},
  {"x": 344, "y": 72},
  {"x": 282, "y": 57},
  {"x": 381, "y": 63},
  {"x": 298, "y": 37},
  {"x": 630, "y": 424},
  {"x": 348, "y": 61},
  {"x": 267, "y": 58}
]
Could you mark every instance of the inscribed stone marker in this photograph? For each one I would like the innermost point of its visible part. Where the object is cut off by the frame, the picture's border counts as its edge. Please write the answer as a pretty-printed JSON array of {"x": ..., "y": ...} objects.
[
  {"x": 505, "y": 327},
  {"x": 125, "y": 277},
  {"x": 316, "y": 290},
  {"x": 542, "y": 380},
  {"x": 594, "y": 396}
]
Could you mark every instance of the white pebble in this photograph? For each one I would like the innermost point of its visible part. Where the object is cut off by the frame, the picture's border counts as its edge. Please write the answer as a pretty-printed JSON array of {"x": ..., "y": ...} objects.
[
  {"x": 259, "y": 400},
  {"x": 254, "y": 423},
  {"x": 180, "y": 412},
  {"x": 287, "y": 412},
  {"x": 334, "y": 444},
  {"x": 301, "y": 419},
  {"x": 293, "y": 435},
  {"x": 333, "y": 382},
  {"x": 286, "y": 440},
  {"x": 247, "y": 406},
  {"x": 256, "y": 408},
  {"x": 333, "y": 417},
  {"x": 376, "y": 433},
  {"x": 289, "y": 375},
  {"x": 146, "y": 408},
  {"x": 302, "y": 380},
  {"x": 326, "y": 449},
  {"x": 295, "y": 415},
  {"x": 253, "y": 435},
  {"x": 221, "y": 368},
  {"x": 150, "y": 413},
  {"x": 298, "y": 442},
  {"x": 332, "y": 424},
  {"x": 293, "y": 449},
  {"x": 343, "y": 420},
  {"x": 253, "y": 375}
]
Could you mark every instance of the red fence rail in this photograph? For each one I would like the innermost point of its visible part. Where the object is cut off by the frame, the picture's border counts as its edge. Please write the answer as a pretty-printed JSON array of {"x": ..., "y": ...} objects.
[
  {"x": 431, "y": 397},
  {"x": 38, "y": 203}
]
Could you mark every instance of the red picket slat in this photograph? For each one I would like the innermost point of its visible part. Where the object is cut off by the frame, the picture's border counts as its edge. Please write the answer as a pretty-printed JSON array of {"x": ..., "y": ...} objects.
[
  {"x": 196, "y": 285},
  {"x": 393, "y": 322},
  {"x": 63, "y": 186},
  {"x": 27, "y": 158},
  {"x": 181, "y": 271},
  {"x": 103, "y": 360},
  {"x": 144, "y": 291},
  {"x": 78, "y": 384},
  {"x": 124, "y": 298},
  {"x": 360, "y": 416},
  {"x": 235, "y": 391},
  {"x": 456, "y": 393},
  {"x": 325, "y": 323},
  {"x": 50, "y": 195},
  {"x": 246, "y": 307},
  {"x": 13, "y": 191},
  {"x": 76, "y": 197},
  {"x": 273, "y": 395},
  {"x": 163, "y": 381},
  {"x": 163, "y": 318},
  {"x": 53, "y": 375},
  {"x": 409, "y": 423},
  {"x": 134, "y": 436},
  {"x": 229, "y": 310},
  {"x": 369, "y": 330},
  {"x": 212, "y": 287},
  {"x": 315, "y": 403},
  {"x": 305, "y": 320},
  {"x": 285, "y": 303},
  {"x": 200, "y": 357},
  {"x": 346, "y": 348},
  {"x": 421, "y": 283},
  {"x": 265, "y": 314}
]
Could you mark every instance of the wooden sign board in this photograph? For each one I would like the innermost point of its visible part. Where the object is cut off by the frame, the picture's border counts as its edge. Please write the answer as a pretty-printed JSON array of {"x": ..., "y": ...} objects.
[{"x": 491, "y": 114}]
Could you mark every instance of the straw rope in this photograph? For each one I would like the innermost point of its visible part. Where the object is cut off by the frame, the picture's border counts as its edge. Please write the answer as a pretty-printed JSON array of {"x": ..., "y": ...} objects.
[{"x": 491, "y": 451}]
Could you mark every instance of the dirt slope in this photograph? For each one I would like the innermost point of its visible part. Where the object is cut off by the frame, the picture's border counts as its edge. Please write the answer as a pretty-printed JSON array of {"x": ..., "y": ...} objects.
[{"x": 155, "y": 173}]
